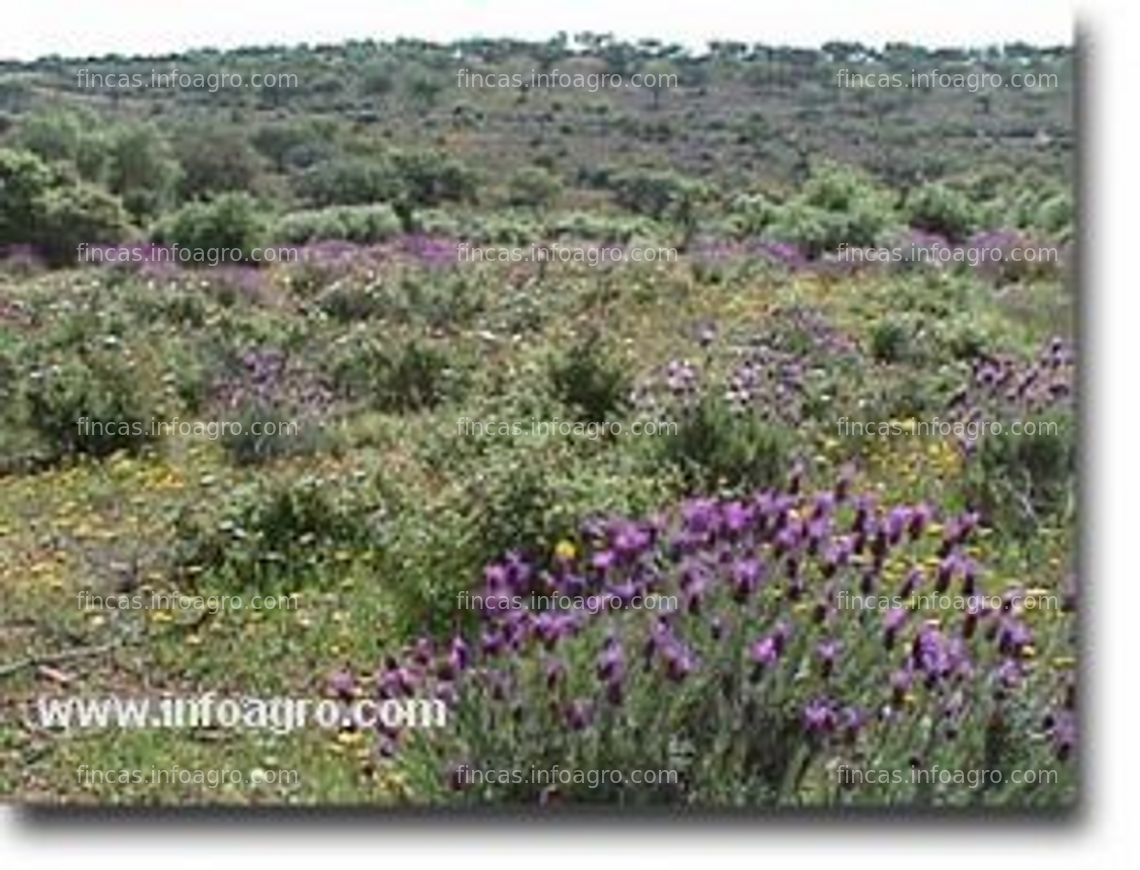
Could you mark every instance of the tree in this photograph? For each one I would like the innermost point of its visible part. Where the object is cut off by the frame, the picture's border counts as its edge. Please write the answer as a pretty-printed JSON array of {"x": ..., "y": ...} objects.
[
  {"x": 216, "y": 160},
  {"x": 141, "y": 169},
  {"x": 72, "y": 215},
  {"x": 52, "y": 210},
  {"x": 64, "y": 137},
  {"x": 349, "y": 181},
  {"x": 24, "y": 178}
]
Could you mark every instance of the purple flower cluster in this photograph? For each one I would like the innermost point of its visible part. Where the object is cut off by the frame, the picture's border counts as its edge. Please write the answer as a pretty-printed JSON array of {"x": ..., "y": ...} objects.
[
  {"x": 267, "y": 378},
  {"x": 763, "y": 575},
  {"x": 1002, "y": 386},
  {"x": 769, "y": 373}
]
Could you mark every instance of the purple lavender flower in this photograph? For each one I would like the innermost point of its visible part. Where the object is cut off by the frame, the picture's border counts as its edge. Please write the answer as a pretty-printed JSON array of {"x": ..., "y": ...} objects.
[
  {"x": 819, "y": 716},
  {"x": 342, "y": 684},
  {"x": 827, "y": 650},
  {"x": 579, "y": 715},
  {"x": 611, "y": 661}
]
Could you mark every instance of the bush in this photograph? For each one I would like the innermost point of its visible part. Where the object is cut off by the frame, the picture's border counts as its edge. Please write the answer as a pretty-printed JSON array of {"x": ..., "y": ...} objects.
[
  {"x": 659, "y": 195},
  {"x": 715, "y": 446},
  {"x": 429, "y": 178},
  {"x": 889, "y": 341},
  {"x": 412, "y": 376},
  {"x": 756, "y": 687},
  {"x": 271, "y": 531},
  {"x": 835, "y": 207},
  {"x": 349, "y": 181},
  {"x": 43, "y": 207},
  {"x": 751, "y": 215},
  {"x": 93, "y": 407},
  {"x": 229, "y": 222},
  {"x": 592, "y": 385},
  {"x": 363, "y": 224},
  {"x": 24, "y": 179},
  {"x": 294, "y": 144},
  {"x": 533, "y": 187},
  {"x": 81, "y": 213},
  {"x": 64, "y": 137},
  {"x": 216, "y": 161},
  {"x": 253, "y": 444},
  {"x": 1021, "y": 481},
  {"x": 141, "y": 168},
  {"x": 936, "y": 208}
]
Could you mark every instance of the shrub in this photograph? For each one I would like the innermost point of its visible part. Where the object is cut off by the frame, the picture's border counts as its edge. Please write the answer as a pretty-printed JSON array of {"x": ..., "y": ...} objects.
[
  {"x": 429, "y": 178},
  {"x": 81, "y": 213},
  {"x": 229, "y": 222},
  {"x": 803, "y": 683},
  {"x": 349, "y": 181},
  {"x": 93, "y": 407},
  {"x": 533, "y": 187},
  {"x": 835, "y": 207},
  {"x": 64, "y": 136},
  {"x": 141, "y": 168},
  {"x": 364, "y": 224},
  {"x": 657, "y": 194},
  {"x": 937, "y": 208},
  {"x": 588, "y": 382},
  {"x": 270, "y": 532},
  {"x": 294, "y": 434},
  {"x": 43, "y": 207},
  {"x": 214, "y": 161},
  {"x": 715, "y": 446},
  {"x": 410, "y": 376},
  {"x": 889, "y": 341},
  {"x": 294, "y": 144},
  {"x": 1021, "y": 481},
  {"x": 751, "y": 215}
]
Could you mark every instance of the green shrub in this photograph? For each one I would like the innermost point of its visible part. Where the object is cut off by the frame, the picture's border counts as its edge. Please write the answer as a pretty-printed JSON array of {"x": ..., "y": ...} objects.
[
  {"x": 429, "y": 178},
  {"x": 270, "y": 532},
  {"x": 65, "y": 136},
  {"x": 93, "y": 407},
  {"x": 216, "y": 160},
  {"x": 1020, "y": 481},
  {"x": 657, "y": 194},
  {"x": 349, "y": 181},
  {"x": 364, "y": 224},
  {"x": 835, "y": 207},
  {"x": 295, "y": 434},
  {"x": 410, "y": 376},
  {"x": 937, "y": 208},
  {"x": 41, "y": 206},
  {"x": 594, "y": 386},
  {"x": 141, "y": 168},
  {"x": 533, "y": 187},
  {"x": 81, "y": 213},
  {"x": 751, "y": 215},
  {"x": 890, "y": 340},
  {"x": 716, "y": 446},
  {"x": 229, "y": 222},
  {"x": 24, "y": 179}
]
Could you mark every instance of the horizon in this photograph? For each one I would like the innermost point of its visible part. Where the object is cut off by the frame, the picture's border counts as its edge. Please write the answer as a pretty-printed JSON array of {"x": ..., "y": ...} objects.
[{"x": 54, "y": 29}]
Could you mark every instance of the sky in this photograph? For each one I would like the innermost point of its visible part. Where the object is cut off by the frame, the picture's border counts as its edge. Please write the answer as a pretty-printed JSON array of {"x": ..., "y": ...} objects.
[{"x": 81, "y": 28}]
